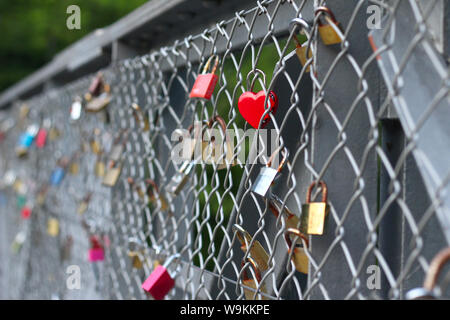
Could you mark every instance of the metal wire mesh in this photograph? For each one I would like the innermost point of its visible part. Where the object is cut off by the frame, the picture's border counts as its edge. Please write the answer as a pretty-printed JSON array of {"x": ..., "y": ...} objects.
[{"x": 349, "y": 121}]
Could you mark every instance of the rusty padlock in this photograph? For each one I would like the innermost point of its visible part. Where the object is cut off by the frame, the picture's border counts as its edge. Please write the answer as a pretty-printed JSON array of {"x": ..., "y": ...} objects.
[
  {"x": 257, "y": 252},
  {"x": 314, "y": 213},
  {"x": 327, "y": 31},
  {"x": 206, "y": 82},
  {"x": 299, "y": 256},
  {"x": 254, "y": 282}
]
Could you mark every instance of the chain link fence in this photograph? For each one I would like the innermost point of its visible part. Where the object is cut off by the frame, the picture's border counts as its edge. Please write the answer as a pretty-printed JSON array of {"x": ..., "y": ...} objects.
[{"x": 368, "y": 116}]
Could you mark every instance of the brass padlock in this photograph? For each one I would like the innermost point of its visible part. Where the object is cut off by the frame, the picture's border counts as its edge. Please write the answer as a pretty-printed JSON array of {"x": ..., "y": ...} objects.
[
  {"x": 257, "y": 252},
  {"x": 157, "y": 198},
  {"x": 253, "y": 283},
  {"x": 53, "y": 227},
  {"x": 314, "y": 213},
  {"x": 74, "y": 166},
  {"x": 136, "y": 253},
  {"x": 95, "y": 146},
  {"x": 290, "y": 219},
  {"x": 429, "y": 290},
  {"x": 302, "y": 48},
  {"x": 112, "y": 175},
  {"x": 327, "y": 31},
  {"x": 140, "y": 118},
  {"x": 299, "y": 256}
]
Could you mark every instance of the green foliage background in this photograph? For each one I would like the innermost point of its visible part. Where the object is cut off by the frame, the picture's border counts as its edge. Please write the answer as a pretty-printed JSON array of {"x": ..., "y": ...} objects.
[{"x": 33, "y": 31}]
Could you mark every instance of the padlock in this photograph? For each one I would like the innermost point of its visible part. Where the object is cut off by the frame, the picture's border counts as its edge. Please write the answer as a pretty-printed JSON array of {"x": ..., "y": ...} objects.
[
  {"x": 206, "y": 82},
  {"x": 26, "y": 139},
  {"x": 42, "y": 194},
  {"x": 41, "y": 136},
  {"x": 98, "y": 103},
  {"x": 96, "y": 86},
  {"x": 96, "y": 252},
  {"x": 252, "y": 105},
  {"x": 430, "y": 290},
  {"x": 290, "y": 219},
  {"x": 74, "y": 166},
  {"x": 59, "y": 172},
  {"x": 302, "y": 48},
  {"x": 179, "y": 180},
  {"x": 268, "y": 174},
  {"x": 99, "y": 168},
  {"x": 257, "y": 252},
  {"x": 54, "y": 133},
  {"x": 313, "y": 216},
  {"x": 75, "y": 109},
  {"x": 26, "y": 212},
  {"x": 95, "y": 146},
  {"x": 112, "y": 174},
  {"x": 140, "y": 117},
  {"x": 213, "y": 151},
  {"x": 66, "y": 249},
  {"x": 53, "y": 227},
  {"x": 18, "y": 242},
  {"x": 299, "y": 256},
  {"x": 160, "y": 282},
  {"x": 136, "y": 252},
  {"x": 84, "y": 204},
  {"x": 157, "y": 198},
  {"x": 21, "y": 201},
  {"x": 118, "y": 146},
  {"x": 327, "y": 31},
  {"x": 253, "y": 283}
]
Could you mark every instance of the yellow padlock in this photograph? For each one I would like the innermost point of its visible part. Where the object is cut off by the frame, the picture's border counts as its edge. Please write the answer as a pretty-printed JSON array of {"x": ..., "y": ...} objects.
[
  {"x": 327, "y": 32},
  {"x": 253, "y": 282},
  {"x": 299, "y": 256},
  {"x": 257, "y": 252},
  {"x": 53, "y": 227},
  {"x": 314, "y": 213}
]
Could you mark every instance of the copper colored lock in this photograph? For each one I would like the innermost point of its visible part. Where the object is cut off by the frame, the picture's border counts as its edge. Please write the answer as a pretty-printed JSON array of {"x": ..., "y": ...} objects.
[
  {"x": 314, "y": 213},
  {"x": 253, "y": 283},
  {"x": 429, "y": 290},
  {"x": 299, "y": 256},
  {"x": 327, "y": 32},
  {"x": 206, "y": 82}
]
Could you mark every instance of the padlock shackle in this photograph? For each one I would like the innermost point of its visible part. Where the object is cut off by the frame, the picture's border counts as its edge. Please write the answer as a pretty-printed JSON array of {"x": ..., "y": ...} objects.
[
  {"x": 170, "y": 259},
  {"x": 256, "y": 72},
  {"x": 255, "y": 268},
  {"x": 327, "y": 12},
  {"x": 436, "y": 266},
  {"x": 243, "y": 236},
  {"x": 304, "y": 26},
  {"x": 274, "y": 198},
  {"x": 297, "y": 233},
  {"x": 324, "y": 191},
  {"x": 208, "y": 64},
  {"x": 285, "y": 153}
]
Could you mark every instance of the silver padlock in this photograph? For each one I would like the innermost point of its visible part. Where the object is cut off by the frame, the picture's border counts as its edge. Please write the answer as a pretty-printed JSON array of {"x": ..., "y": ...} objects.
[
  {"x": 180, "y": 178},
  {"x": 268, "y": 174}
]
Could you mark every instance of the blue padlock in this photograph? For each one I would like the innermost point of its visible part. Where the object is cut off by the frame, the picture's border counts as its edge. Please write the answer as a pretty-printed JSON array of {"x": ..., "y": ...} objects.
[
  {"x": 57, "y": 176},
  {"x": 26, "y": 139}
]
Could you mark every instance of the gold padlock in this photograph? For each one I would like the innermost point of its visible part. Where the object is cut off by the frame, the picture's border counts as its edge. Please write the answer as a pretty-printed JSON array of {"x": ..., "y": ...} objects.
[
  {"x": 95, "y": 146},
  {"x": 299, "y": 256},
  {"x": 290, "y": 219},
  {"x": 140, "y": 117},
  {"x": 302, "y": 48},
  {"x": 327, "y": 31},
  {"x": 314, "y": 213},
  {"x": 112, "y": 175},
  {"x": 257, "y": 252},
  {"x": 99, "y": 168},
  {"x": 53, "y": 227},
  {"x": 253, "y": 282}
]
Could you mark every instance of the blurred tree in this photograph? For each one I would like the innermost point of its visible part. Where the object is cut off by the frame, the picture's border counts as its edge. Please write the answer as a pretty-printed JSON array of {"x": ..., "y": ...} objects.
[{"x": 33, "y": 31}]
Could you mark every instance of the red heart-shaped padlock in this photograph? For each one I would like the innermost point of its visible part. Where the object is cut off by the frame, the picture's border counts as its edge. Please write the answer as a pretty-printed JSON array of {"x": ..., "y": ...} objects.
[{"x": 251, "y": 107}]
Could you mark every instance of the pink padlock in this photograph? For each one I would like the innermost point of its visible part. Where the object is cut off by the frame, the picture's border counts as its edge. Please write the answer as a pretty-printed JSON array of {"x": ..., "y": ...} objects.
[
  {"x": 206, "y": 82},
  {"x": 41, "y": 136},
  {"x": 160, "y": 282},
  {"x": 96, "y": 253}
]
